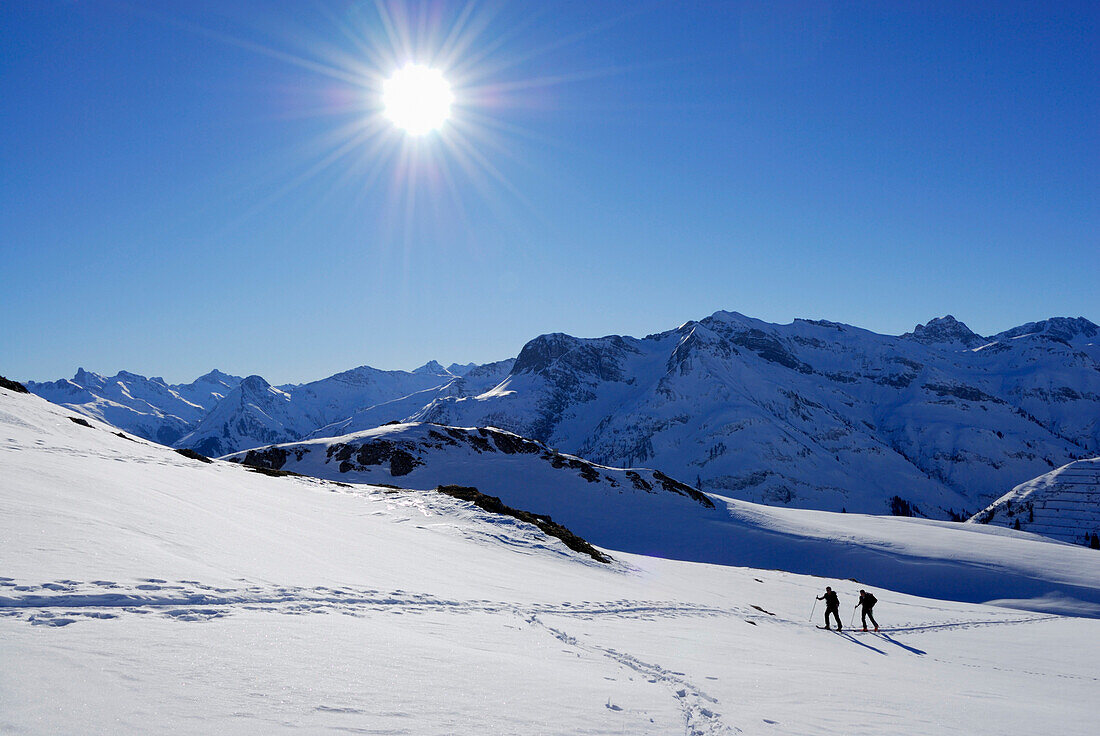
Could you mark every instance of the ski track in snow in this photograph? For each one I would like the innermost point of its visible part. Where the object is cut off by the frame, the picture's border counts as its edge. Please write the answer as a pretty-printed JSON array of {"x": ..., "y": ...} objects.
[
  {"x": 191, "y": 600},
  {"x": 700, "y": 718},
  {"x": 64, "y": 602}
]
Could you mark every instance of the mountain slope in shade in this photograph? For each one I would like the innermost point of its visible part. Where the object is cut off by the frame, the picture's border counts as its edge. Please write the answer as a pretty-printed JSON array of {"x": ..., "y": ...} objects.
[
  {"x": 813, "y": 414},
  {"x": 1063, "y": 504}
]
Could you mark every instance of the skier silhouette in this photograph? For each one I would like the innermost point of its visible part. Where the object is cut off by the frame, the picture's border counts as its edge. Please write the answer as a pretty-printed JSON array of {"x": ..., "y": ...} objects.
[
  {"x": 868, "y": 601},
  {"x": 832, "y": 605}
]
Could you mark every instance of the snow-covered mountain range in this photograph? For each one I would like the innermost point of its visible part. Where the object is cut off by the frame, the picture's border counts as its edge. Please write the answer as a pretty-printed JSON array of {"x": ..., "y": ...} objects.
[
  {"x": 219, "y": 413},
  {"x": 937, "y": 422}
]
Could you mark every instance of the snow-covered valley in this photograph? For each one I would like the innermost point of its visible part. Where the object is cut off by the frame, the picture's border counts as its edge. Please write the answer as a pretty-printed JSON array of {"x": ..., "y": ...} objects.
[{"x": 143, "y": 591}]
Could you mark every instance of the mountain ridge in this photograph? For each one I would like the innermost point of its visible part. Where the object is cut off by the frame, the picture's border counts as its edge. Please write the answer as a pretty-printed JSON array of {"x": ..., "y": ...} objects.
[{"x": 939, "y": 421}]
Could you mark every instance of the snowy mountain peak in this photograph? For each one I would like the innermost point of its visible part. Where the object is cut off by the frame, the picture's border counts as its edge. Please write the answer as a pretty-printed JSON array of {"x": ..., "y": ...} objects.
[
  {"x": 538, "y": 354},
  {"x": 1072, "y": 330},
  {"x": 216, "y": 376},
  {"x": 254, "y": 385},
  {"x": 432, "y": 367},
  {"x": 460, "y": 370},
  {"x": 87, "y": 379},
  {"x": 945, "y": 331}
]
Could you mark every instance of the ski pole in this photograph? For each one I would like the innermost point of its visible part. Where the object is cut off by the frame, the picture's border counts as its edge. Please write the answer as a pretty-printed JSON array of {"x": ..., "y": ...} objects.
[
  {"x": 814, "y": 609},
  {"x": 853, "y": 621}
]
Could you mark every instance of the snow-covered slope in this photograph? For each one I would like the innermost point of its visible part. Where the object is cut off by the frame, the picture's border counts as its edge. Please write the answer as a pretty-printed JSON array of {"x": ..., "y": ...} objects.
[
  {"x": 812, "y": 414},
  {"x": 142, "y": 591},
  {"x": 646, "y": 512},
  {"x": 1063, "y": 504}
]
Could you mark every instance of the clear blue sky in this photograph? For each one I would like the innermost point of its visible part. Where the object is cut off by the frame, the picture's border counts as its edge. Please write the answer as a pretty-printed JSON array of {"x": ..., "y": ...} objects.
[{"x": 199, "y": 184}]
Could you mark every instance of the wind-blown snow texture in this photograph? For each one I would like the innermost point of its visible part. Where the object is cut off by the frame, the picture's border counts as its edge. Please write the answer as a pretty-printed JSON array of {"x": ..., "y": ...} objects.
[
  {"x": 938, "y": 422},
  {"x": 142, "y": 591}
]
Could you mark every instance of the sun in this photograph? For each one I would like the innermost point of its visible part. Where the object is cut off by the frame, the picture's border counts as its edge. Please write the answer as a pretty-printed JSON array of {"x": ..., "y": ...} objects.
[{"x": 417, "y": 99}]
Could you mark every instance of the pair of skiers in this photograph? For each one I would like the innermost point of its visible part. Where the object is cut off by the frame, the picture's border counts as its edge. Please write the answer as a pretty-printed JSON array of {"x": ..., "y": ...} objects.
[{"x": 832, "y": 606}]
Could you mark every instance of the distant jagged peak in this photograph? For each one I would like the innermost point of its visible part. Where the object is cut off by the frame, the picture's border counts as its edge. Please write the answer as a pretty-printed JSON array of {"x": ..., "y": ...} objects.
[
  {"x": 85, "y": 379},
  {"x": 431, "y": 368},
  {"x": 461, "y": 370},
  {"x": 735, "y": 319},
  {"x": 945, "y": 331},
  {"x": 1064, "y": 329},
  {"x": 539, "y": 353},
  {"x": 824, "y": 323},
  {"x": 217, "y": 376},
  {"x": 598, "y": 356},
  {"x": 255, "y": 384},
  {"x": 128, "y": 376}
]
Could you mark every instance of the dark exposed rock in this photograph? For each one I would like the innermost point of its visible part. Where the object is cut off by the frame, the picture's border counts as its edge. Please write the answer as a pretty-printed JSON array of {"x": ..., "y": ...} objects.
[
  {"x": 82, "y": 422},
  {"x": 274, "y": 473},
  {"x": 494, "y": 505},
  {"x": 340, "y": 451},
  {"x": 966, "y": 393},
  {"x": 897, "y": 380},
  {"x": 670, "y": 484},
  {"x": 510, "y": 444},
  {"x": 900, "y": 507},
  {"x": 374, "y": 452},
  {"x": 402, "y": 463},
  {"x": 442, "y": 439},
  {"x": 13, "y": 386},
  {"x": 639, "y": 482},
  {"x": 589, "y": 473},
  {"x": 479, "y": 442},
  {"x": 271, "y": 458},
  {"x": 194, "y": 455},
  {"x": 770, "y": 349},
  {"x": 945, "y": 330}
]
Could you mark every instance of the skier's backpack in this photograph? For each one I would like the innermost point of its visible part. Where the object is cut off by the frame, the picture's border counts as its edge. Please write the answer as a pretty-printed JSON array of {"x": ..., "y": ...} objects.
[{"x": 869, "y": 600}]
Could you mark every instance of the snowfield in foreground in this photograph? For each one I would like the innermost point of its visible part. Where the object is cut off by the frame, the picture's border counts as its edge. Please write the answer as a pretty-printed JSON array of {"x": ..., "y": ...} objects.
[{"x": 143, "y": 592}]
